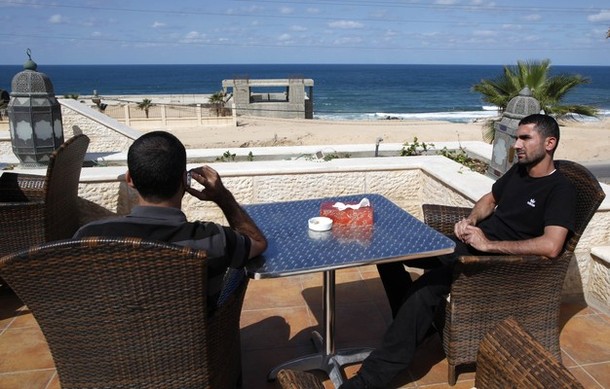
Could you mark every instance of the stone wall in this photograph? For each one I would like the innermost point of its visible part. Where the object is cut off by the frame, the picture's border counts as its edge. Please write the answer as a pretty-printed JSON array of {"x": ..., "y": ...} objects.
[
  {"x": 107, "y": 134},
  {"x": 409, "y": 182}
]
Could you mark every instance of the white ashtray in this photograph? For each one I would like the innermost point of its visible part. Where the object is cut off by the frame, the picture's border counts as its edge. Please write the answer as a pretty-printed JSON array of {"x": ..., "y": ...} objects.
[{"x": 320, "y": 223}]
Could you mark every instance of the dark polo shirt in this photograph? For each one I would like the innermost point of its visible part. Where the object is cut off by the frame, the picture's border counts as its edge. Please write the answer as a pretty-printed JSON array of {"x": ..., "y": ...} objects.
[{"x": 225, "y": 247}]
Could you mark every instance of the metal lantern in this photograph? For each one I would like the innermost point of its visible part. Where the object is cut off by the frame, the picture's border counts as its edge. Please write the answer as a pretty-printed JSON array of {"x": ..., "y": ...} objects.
[
  {"x": 503, "y": 154},
  {"x": 34, "y": 116}
]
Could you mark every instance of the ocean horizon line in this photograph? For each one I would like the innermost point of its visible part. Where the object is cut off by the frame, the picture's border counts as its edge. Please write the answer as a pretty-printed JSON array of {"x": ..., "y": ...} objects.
[{"x": 340, "y": 91}]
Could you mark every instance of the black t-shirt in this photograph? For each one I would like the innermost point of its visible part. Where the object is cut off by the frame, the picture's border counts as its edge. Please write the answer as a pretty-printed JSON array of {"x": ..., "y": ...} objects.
[{"x": 526, "y": 205}]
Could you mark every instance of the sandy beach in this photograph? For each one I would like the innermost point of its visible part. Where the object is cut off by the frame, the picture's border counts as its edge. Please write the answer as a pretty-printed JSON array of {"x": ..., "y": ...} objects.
[{"x": 580, "y": 141}]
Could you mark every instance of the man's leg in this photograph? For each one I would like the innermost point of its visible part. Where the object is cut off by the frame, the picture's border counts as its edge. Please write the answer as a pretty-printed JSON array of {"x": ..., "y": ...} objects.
[
  {"x": 408, "y": 330},
  {"x": 397, "y": 281}
]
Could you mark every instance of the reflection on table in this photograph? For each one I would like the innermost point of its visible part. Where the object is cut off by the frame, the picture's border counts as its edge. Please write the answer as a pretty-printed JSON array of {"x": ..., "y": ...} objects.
[{"x": 294, "y": 249}]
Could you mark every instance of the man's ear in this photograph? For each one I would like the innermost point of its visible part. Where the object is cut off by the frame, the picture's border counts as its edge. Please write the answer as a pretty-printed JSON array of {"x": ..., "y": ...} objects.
[
  {"x": 550, "y": 143},
  {"x": 129, "y": 180}
]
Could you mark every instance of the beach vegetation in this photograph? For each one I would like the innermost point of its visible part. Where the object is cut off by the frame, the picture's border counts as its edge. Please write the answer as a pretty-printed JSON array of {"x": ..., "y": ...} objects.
[
  {"x": 415, "y": 148},
  {"x": 217, "y": 101},
  {"x": 460, "y": 156},
  {"x": 145, "y": 105},
  {"x": 73, "y": 96},
  {"x": 331, "y": 156},
  {"x": 549, "y": 90},
  {"x": 227, "y": 156}
]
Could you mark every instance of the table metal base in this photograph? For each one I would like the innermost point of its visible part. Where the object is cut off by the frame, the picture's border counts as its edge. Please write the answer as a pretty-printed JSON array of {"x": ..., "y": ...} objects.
[
  {"x": 330, "y": 364},
  {"x": 326, "y": 358}
]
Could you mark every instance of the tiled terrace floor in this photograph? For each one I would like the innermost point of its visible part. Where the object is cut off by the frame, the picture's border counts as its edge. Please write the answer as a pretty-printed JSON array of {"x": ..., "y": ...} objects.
[{"x": 278, "y": 317}]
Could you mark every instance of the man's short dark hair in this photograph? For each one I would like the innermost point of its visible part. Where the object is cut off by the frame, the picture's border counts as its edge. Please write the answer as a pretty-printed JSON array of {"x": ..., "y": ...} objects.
[
  {"x": 157, "y": 162},
  {"x": 546, "y": 125}
]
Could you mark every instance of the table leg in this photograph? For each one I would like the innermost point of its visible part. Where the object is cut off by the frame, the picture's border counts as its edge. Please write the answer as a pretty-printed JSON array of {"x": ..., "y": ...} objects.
[{"x": 326, "y": 359}]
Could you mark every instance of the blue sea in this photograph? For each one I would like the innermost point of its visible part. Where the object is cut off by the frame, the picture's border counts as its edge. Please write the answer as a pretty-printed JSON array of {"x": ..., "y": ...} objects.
[{"x": 355, "y": 92}]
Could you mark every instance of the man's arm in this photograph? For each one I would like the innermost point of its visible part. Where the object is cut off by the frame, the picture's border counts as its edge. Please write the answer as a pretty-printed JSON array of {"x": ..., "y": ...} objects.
[
  {"x": 481, "y": 211},
  {"x": 238, "y": 219},
  {"x": 549, "y": 244}
]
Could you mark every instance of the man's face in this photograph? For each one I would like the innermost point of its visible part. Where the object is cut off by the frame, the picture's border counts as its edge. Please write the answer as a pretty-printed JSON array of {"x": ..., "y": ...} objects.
[{"x": 530, "y": 146}]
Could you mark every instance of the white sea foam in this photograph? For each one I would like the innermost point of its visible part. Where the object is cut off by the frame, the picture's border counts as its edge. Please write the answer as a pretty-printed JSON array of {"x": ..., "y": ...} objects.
[{"x": 451, "y": 116}]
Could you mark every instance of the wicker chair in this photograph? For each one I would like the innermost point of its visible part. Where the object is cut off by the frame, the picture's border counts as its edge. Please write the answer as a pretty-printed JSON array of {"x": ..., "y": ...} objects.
[
  {"x": 295, "y": 379},
  {"x": 126, "y": 313},
  {"x": 488, "y": 289},
  {"x": 38, "y": 209},
  {"x": 509, "y": 357}
]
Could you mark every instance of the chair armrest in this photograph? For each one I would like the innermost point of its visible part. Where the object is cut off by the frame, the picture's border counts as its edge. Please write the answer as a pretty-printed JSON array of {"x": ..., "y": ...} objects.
[
  {"x": 510, "y": 357},
  {"x": 443, "y": 217},
  {"x": 294, "y": 379},
  {"x": 504, "y": 276},
  {"x": 18, "y": 187}
]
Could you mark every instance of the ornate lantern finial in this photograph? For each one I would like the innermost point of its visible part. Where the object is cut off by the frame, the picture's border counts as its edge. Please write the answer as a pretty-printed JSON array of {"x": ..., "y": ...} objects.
[{"x": 29, "y": 64}]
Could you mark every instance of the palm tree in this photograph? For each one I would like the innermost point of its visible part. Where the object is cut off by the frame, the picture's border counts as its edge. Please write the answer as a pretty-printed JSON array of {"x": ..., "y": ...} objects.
[
  {"x": 218, "y": 102},
  {"x": 548, "y": 90},
  {"x": 145, "y": 105}
]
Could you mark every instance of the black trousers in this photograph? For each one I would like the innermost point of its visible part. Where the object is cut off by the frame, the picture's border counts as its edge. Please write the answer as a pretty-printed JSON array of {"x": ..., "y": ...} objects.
[{"x": 413, "y": 306}]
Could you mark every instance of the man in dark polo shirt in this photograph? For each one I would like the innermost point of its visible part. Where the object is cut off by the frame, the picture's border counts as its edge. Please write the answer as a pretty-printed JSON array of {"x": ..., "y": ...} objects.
[{"x": 157, "y": 171}]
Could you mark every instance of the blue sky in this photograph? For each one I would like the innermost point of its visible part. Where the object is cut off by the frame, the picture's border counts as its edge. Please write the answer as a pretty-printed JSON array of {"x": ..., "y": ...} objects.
[{"x": 319, "y": 31}]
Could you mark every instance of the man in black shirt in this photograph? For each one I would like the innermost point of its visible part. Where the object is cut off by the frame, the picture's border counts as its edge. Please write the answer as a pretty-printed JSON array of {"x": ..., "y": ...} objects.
[{"x": 529, "y": 211}]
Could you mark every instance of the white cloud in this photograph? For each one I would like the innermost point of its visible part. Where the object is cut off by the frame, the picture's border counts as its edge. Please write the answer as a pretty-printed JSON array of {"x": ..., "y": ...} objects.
[
  {"x": 445, "y": 2},
  {"x": 532, "y": 17},
  {"x": 56, "y": 19},
  {"x": 286, "y": 10},
  {"x": 284, "y": 37},
  {"x": 485, "y": 33},
  {"x": 298, "y": 28},
  {"x": 348, "y": 41},
  {"x": 482, "y": 3},
  {"x": 193, "y": 37},
  {"x": 158, "y": 24},
  {"x": 313, "y": 10},
  {"x": 602, "y": 16},
  {"x": 345, "y": 24},
  {"x": 512, "y": 27}
]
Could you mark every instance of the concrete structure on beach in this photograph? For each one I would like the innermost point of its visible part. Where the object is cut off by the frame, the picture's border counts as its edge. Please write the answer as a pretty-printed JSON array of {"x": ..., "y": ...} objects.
[{"x": 276, "y": 98}]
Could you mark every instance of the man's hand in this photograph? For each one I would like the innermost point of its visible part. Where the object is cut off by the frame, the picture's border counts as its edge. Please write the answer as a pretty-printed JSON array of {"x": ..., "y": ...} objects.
[
  {"x": 213, "y": 188},
  {"x": 461, "y": 228},
  {"x": 475, "y": 237}
]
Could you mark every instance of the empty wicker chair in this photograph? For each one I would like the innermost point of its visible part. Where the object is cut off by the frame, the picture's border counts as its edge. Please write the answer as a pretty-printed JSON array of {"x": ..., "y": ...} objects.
[
  {"x": 488, "y": 289},
  {"x": 37, "y": 209},
  {"x": 294, "y": 379},
  {"x": 125, "y": 313},
  {"x": 509, "y": 357}
]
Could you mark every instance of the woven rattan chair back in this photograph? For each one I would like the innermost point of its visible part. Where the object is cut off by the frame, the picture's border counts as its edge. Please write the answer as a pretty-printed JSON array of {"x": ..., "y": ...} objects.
[
  {"x": 509, "y": 357},
  {"x": 295, "y": 379},
  {"x": 125, "y": 313},
  {"x": 38, "y": 209},
  {"x": 488, "y": 289},
  {"x": 63, "y": 176}
]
